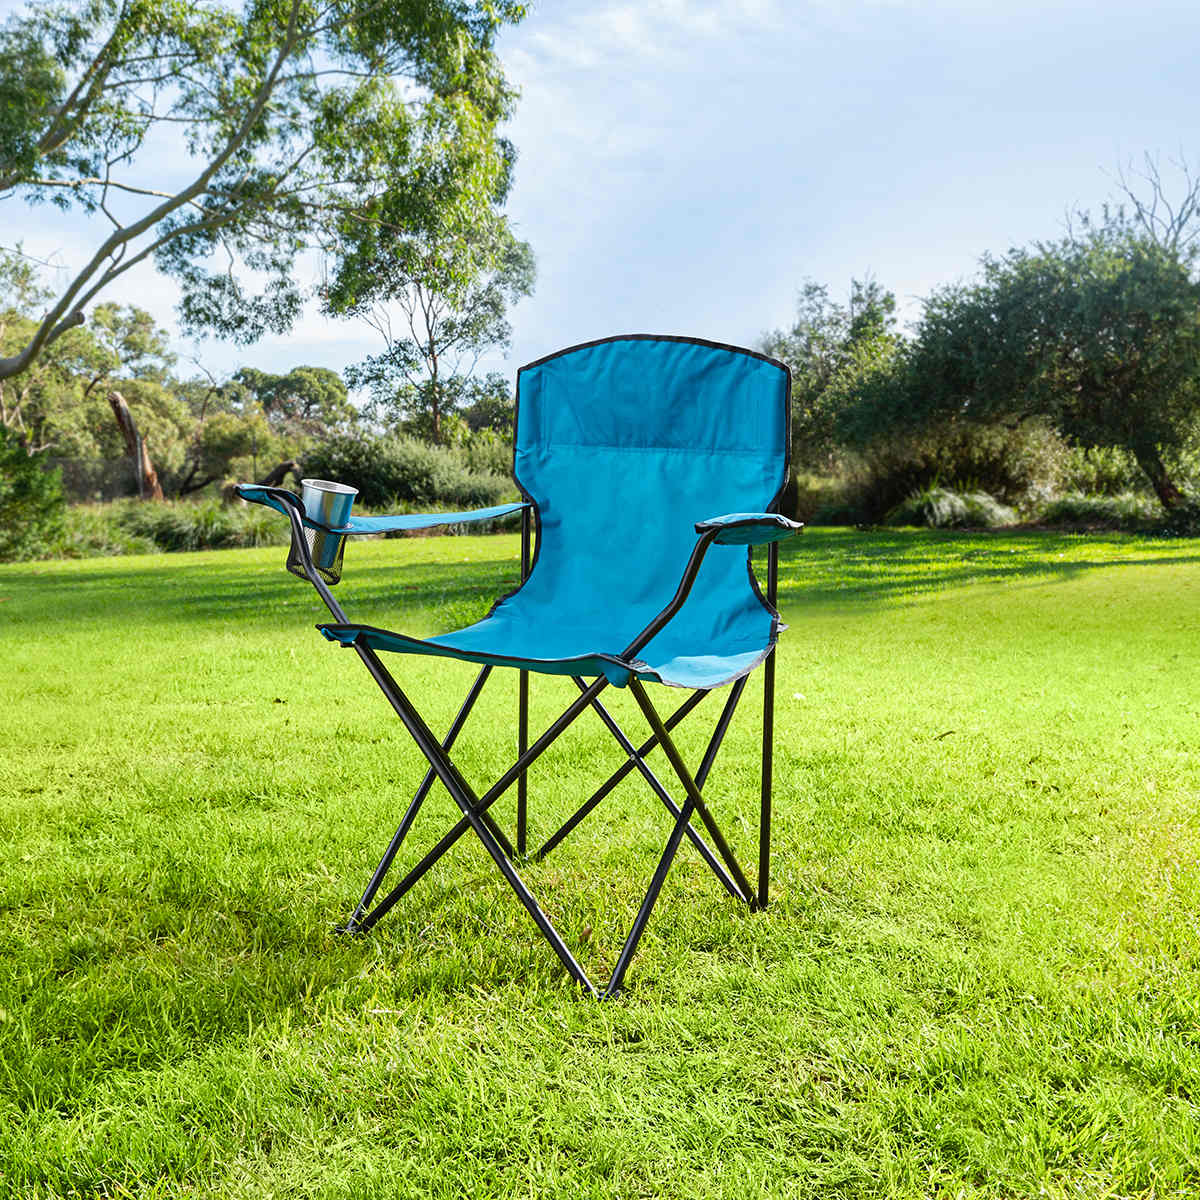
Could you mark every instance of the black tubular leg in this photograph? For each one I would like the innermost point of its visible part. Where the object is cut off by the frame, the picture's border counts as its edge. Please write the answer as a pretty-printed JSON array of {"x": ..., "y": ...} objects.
[
  {"x": 472, "y": 809},
  {"x": 768, "y": 744},
  {"x": 689, "y": 785},
  {"x": 523, "y": 710},
  {"x": 714, "y": 744},
  {"x": 418, "y": 799},
  {"x": 647, "y": 907},
  {"x": 522, "y": 746},
  {"x": 489, "y": 797},
  {"x": 615, "y": 778},
  {"x": 665, "y": 796}
]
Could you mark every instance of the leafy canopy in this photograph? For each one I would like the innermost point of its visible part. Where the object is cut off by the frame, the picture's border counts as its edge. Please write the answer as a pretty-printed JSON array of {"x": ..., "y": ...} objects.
[
  {"x": 307, "y": 124},
  {"x": 1098, "y": 332}
]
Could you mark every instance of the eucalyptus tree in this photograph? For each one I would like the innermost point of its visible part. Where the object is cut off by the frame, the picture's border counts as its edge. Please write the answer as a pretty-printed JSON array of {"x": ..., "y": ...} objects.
[
  {"x": 826, "y": 342},
  {"x": 292, "y": 125},
  {"x": 439, "y": 299}
]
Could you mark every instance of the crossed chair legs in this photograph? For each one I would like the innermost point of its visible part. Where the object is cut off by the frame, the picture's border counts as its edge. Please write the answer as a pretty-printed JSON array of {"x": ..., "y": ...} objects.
[{"x": 475, "y": 814}]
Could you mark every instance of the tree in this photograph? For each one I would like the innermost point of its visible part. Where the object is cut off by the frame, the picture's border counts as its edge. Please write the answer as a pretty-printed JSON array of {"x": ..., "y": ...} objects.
[
  {"x": 827, "y": 341},
  {"x": 1098, "y": 332},
  {"x": 305, "y": 403},
  {"x": 452, "y": 288},
  {"x": 487, "y": 404},
  {"x": 308, "y": 124}
]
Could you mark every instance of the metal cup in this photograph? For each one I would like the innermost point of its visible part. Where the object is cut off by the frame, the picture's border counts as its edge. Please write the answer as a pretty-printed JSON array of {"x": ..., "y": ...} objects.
[{"x": 329, "y": 503}]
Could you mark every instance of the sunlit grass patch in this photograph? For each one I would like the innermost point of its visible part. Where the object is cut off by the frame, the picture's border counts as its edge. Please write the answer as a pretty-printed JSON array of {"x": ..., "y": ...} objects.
[{"x": 979, "y": 974}]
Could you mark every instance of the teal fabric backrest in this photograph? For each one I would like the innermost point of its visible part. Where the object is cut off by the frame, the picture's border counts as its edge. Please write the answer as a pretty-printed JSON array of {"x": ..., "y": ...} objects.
[{"x": 623, "y": 445}]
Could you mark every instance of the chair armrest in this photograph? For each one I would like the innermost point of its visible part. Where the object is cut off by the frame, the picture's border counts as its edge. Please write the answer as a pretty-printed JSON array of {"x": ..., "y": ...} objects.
[
  {"x": 749, "y": 529},
  {"x": 281, "y": 499}
]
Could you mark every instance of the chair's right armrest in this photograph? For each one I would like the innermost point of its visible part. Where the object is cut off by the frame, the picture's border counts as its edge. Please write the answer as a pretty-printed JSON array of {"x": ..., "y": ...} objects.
[{"x": 749, "y": 529}]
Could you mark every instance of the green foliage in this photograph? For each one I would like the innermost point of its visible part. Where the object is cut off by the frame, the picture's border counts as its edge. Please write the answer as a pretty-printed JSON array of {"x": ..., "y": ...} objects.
[
  {"x": 1084, "y": 513},
  {"x": 404, "y": 471},
  {"x": 487, "y": 453},
  {"x": 309, "y": 127},
  {"x": 307, "y": 402},
  {"x": 941, "y": 508},
  {"x": 31, "y": 502},
  {"x": 205, "y": 525},
  {"x": 453, "y": 284},
  {"x": 1101, "y": 471},
  {"x": 827, "y": 348},
  {"x": 1098, "y": 333},
  {"x": 95, "y": 531},
  {"x": 1019, "y": 464},
  {"x": 131, "y": 527}
]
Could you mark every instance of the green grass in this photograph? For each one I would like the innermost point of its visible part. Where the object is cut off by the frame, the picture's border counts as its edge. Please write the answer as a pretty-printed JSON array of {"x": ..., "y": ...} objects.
[{"x": 979, "y": 975}]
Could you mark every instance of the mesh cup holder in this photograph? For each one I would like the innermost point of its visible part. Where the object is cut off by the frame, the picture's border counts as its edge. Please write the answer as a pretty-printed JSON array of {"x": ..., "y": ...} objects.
[{"x": 326, "y": 550}]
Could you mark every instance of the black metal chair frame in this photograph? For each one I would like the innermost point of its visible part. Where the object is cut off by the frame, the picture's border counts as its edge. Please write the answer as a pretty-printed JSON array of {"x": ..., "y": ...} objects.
[{"x": 474, "y": 808}]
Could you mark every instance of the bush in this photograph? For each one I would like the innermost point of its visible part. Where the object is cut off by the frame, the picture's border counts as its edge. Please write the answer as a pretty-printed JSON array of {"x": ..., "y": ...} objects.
[
  {"x": 1092, "y": 471},
  {"x": 94, "y": 531},
  {"x": 1019, "y": 464},
  {"x": 487, "y": 453},
  {"x": 134, "y": 527},
  {"x": 941, "y": 508},
  {"x": 32, "y": 507},
  {"x": 1124, "y": 512},
  {"x": 208, "y": 525},
  {"x": 395, "y": 471}
]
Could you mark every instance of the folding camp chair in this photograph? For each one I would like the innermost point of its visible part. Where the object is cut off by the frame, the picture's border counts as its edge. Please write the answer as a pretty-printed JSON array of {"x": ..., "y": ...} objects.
[{"x": 624, "y": 450}]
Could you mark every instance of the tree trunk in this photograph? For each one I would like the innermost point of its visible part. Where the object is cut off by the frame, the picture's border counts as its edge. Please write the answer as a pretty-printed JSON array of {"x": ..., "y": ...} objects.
[
  {"x": 148, "y": 486},
  {"x": 1169, "y": 496},
  {"x": 276, "y": 477}
]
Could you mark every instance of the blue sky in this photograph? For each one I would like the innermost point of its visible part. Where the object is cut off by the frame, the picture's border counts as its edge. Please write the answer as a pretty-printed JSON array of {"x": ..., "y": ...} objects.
[{"x": 685, "y": 164}]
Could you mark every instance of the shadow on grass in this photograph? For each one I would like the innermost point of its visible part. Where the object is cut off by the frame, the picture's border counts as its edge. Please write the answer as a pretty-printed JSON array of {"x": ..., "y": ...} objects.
[
  {"x": 884, "y": 565},
  {"x": 824, "y": 565}
]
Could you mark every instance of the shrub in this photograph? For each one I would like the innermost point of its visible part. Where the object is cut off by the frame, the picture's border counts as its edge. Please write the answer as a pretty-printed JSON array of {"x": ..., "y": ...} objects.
[
  {"x": 941, "y": 508},
  {"x": 485, "y": 452},
  {"x": 32, "y": 507},
  {"x": 93, "y": 531},
  {"x": 1127, "y": 511},
  {"x": 1092, "y": 471},
  {"x": 387, "y": 470},
  {"x": 1016, "y": 464},
  {"x": 208, "y": 525}
]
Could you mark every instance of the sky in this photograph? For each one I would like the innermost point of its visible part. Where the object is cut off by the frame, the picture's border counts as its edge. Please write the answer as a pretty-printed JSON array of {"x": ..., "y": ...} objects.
[{"x": 684, "y": 165}]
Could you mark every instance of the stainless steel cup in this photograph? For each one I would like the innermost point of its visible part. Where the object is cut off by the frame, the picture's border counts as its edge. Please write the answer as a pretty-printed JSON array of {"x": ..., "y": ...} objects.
[{"x": 329, "y": 503}]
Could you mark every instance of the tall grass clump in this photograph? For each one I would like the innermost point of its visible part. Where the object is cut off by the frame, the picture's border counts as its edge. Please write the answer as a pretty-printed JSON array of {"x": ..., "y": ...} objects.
[
  {"x": 1125, "y": 511},
  {"x": 942, "y": 508}
]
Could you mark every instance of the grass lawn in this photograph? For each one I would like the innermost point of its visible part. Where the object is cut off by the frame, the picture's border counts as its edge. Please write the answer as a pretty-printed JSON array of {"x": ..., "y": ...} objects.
[{"x": 979, "y": 975}]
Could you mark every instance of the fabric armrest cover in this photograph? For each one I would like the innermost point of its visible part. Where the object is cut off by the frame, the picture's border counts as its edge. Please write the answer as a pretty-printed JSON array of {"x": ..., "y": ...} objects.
[
  {"x": 279, "y": 498},
  {"x": 749, "y": 529}
]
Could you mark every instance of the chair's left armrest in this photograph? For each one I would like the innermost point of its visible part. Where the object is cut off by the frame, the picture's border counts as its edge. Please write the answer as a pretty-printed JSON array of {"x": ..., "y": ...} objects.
[
  {"x": 749, "y": 529},
  {"x": 281, "y": 500}
]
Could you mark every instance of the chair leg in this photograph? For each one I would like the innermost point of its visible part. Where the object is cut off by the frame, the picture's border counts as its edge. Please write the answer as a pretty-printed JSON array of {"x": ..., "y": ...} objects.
[
  {"x": 689, "y": 785},
  {"x": 768, "y": 754},
  {"x": 472, "y": 811},
  {"x": 414, "y": 807},
  {"x": 661, "y": 792},
  {"x": 768, "y": 734},
  {"x": 523, "y": 704},
  {"x": 651, "y": 898}
]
